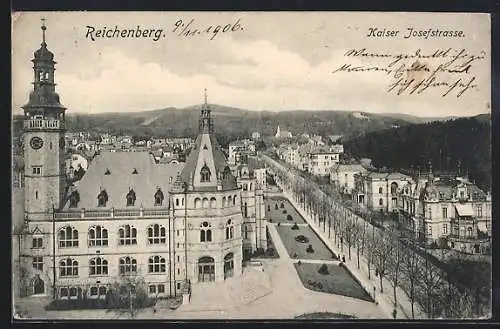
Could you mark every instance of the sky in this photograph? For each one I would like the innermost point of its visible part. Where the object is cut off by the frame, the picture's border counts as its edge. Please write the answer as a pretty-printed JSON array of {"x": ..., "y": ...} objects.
[{"x": 270, "y": 61}]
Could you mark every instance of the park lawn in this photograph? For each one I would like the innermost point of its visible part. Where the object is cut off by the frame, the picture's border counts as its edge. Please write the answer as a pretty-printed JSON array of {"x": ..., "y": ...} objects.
[
  {"x": 277, "y": 216},
  {"x": 287, "y": 235},
  {"x": 339, "y": 281}
]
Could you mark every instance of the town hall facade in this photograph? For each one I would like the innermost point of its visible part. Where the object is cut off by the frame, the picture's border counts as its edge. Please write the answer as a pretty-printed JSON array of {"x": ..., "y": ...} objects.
[{"x": 173, "y": 224}]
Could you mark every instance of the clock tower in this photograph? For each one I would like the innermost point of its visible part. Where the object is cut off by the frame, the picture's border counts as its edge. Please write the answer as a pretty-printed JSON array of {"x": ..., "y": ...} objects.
[{"x": 44, "y": 143}]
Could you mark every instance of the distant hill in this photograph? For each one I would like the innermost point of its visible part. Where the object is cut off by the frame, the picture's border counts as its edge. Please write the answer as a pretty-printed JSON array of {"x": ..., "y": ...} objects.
[
  {"x": 233, "y": 122},
  {"x": 445, "y": 143}
]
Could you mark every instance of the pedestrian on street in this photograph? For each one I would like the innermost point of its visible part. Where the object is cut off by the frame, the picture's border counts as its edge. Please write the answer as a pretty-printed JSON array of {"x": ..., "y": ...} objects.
[{"x": 343, "y": 259}]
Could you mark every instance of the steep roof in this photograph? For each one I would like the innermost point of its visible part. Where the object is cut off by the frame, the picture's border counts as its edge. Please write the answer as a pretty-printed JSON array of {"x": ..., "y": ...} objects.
[
  {"x": 121, "y": 166},
  {"x": 219, "y": 160}
]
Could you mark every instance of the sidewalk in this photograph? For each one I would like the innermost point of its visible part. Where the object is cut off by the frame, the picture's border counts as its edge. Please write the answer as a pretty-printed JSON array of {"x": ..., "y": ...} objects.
[{"x": 385, "y": 299}]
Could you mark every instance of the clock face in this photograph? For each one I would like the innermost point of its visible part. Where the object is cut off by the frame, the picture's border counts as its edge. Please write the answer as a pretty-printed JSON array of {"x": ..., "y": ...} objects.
[
  {"x": 36, "y": 143},
  {"x": 61, "y": 142}
]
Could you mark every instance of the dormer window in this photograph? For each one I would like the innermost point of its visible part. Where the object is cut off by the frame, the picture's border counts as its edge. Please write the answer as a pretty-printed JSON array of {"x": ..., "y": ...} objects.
[
  {"x": 108, "y": 172},
  {"x": 102, "y": 198},
  {"x": 205, "y": 174},
  {"x": 74, "y": 198},
  {"x": 227, "y": 172},
  {"x": 159, "y": 197},
  {"x": 134, "y": 172},
  {"x": 130, "y": 198}
]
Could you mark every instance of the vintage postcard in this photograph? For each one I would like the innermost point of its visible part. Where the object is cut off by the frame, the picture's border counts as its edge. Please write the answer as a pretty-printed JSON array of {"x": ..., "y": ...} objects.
[{"x": 251, "y": 165}]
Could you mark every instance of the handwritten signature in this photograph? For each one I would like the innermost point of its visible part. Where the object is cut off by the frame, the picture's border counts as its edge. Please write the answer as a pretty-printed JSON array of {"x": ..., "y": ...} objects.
[{"x": 446, "y": 69}]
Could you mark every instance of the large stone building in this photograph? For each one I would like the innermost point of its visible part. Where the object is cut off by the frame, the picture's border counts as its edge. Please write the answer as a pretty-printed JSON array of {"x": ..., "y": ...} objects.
[
  {"x": 379, "y": 191},
  {"x": 173, "y": 224},
  {"x": 450, "y": 209}
]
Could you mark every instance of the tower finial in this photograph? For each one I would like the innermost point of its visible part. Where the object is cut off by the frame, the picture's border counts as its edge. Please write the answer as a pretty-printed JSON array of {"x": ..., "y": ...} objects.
[
  {"x": 206, "y": 96},
  {"x": 43, "y": 30}
]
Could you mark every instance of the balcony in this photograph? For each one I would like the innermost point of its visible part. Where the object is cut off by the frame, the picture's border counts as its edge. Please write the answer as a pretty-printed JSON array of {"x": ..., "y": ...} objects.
[
  {"x": 43, "y": 124},
  {"x": 111, "y": 213}
]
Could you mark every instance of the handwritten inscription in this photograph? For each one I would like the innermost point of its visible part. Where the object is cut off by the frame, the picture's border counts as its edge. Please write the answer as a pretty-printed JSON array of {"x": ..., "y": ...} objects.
[
  {"x": 449, "y": 71},
  {"x": 181, "y": 28},
  {"x": 188, "y": 29}
]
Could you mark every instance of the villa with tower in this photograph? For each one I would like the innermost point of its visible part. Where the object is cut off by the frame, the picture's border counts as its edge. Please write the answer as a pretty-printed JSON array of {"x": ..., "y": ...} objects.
[{"x": 174, "y": 224}]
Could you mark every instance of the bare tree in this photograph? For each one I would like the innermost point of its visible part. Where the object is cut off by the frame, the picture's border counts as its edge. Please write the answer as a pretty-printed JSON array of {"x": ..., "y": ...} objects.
[
  {"x": 395, "y": 264},
  {"x": 128, "y": 295},
  {"x": 349, "y": 231},
  {"x": 430, "y": 278},
  {"x": 411, "y": 270},
  {"x": 382, "y": 248}
]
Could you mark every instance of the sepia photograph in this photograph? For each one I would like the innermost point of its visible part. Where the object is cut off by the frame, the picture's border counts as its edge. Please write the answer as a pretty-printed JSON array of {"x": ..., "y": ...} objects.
[{"x": 251, "y": 166}]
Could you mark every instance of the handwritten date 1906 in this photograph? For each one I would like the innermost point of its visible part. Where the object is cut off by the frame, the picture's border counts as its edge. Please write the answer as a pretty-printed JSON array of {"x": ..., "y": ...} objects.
[{"x": 187, "y": 29}]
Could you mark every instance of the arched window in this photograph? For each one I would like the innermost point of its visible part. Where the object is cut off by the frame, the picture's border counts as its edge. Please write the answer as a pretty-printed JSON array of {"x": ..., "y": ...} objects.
[
  {"x": 380, "y": 202},
  {"x": 197, "y": 203},
  {"x": 228, "y": 265},
  {"x": 98, "y": 266},
  {"x": 98, "y": 236},
  {"x": 68, "y": 237},
  {"x": 469, "y": 231},
  {"x": 128, "y": 235},
  {"x": 251, "y": 186},
  {"x": 234, "y": 200},
  {"x": 245, "y": 187},
  {"x": 229, "y": 230},
  {"x": 98, "y": 292},
  {"x": 229, "y": 200},
  {"x": 128, "y": 265},
  {"x": 245, "y": 210},
  {"x": 394, "y": 188},
  {"x": 223, "y": 201},
  {"x": 74, "y": 198},
  {"x": 205, "y": 203},
  {"x": 102, "y": 198},
  {"x": 130, "y": 198},
  {"x": 157, "y": 234},
  {"x": 68, "y": 267},
  {"x": 159, "y": 197},
  {"x": 205, "y": 174},
  {"x": 205, "y": 232},
  {"x": 156, "y": 264},
  {"x": 213, "y": 203},
  {"x": 206, "y": 269},
  {"x": 380, "y": 190}
]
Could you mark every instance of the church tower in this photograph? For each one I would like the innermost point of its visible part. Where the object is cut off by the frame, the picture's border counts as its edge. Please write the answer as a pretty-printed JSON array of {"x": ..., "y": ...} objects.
[{"x": 44, "y": 144}]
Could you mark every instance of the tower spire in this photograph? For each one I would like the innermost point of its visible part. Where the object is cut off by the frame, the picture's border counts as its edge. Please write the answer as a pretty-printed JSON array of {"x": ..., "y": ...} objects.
[
  {"x": 43, "y": 31},
  {"x": 206, "y": 121}
]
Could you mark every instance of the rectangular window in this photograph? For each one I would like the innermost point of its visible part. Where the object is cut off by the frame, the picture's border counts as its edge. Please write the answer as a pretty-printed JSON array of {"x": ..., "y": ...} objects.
[
  {"x": 479, "y": 211},
  {"x": 178, "y": 271},
  {"x": 38, "y": 263},
  {"x": 152, "y": 289},
  {"x": 37, "y": 243},
  {"x": 178, "y": 285},
  {"x": 37, "y": 170},
  {"x": 177, "y": 232},
  {"x": 445, "y": 212},
  {"x": 430, "y": 212},
  {"x": 429, "y": 229},
  {"x": 445, "y": 229},
  {"x": 161, "y": 288},
  {"x": 178, "y": 245},
  {"x": 178, "y": 258}
]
